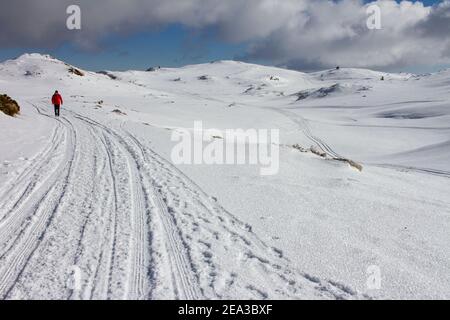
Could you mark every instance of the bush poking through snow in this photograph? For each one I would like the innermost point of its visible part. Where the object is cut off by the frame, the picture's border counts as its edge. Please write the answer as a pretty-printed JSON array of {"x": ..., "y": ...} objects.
[
  {"x": 319, "y": 93},
  {"x": 299, "y": 148},
  {"x": 351, "y": 163},
  {"x": 153, "y": 69},
  {"x": 318, "y": 152},
  {"x": 8, "y": 106},
  {"x": 335, "y": 89},
  {"x": 119, "y": 112},
  {"x": 29, "y": 73},
  {"x": 76, "y": 72},
  {"x": 322, "y": 154},
  {"x": 110, "y": 75}
]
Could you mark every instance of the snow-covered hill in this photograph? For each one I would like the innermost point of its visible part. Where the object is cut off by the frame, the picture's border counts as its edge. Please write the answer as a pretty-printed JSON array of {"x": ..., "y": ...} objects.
[{"x": 93, "y": 196}]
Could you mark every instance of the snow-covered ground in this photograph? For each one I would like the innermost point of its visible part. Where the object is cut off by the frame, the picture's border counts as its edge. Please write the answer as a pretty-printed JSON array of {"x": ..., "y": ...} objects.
[{"x": 91, "y": 205}]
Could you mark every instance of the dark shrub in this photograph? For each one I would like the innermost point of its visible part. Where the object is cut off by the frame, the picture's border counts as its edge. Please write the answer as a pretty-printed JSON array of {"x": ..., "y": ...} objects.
[
  {"x": 8, "y": 105},
  {"x": 76, "y": 72}
]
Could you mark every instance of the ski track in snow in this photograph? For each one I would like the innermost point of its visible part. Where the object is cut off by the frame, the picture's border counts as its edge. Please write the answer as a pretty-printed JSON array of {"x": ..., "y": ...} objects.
[
  {"x": 304, "y": 127},
  {"x": 99, "y": 204}
]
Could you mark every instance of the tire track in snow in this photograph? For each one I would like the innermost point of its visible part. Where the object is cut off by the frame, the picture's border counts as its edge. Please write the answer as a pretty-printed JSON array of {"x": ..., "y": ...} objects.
[
  {"x": 24, "y": 184},
  {"x": 86, "y": 253},
  {"x": 91, "y": 243},
  {"x": 184, "y": 281},
  {"x": 136, "y": 285},
  {"x": 12, "y": 224},
  {"x": 83, "y": 199},
  {"x": 139, "y": 266},
  {"x": 17, "y": 188},
  {"x": 440, "y": 173},
  {"x": 30, "y": 186},
  {"x": 110, "y": 238},
  {"x": 44, "y": 204}
]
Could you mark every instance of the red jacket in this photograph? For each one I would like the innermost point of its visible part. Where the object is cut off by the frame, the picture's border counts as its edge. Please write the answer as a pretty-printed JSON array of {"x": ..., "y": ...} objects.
[{"x": 57, "y": 99}]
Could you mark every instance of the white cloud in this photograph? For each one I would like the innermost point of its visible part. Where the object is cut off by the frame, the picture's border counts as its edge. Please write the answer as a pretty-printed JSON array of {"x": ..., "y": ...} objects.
[{"x": 336, "y": 34}]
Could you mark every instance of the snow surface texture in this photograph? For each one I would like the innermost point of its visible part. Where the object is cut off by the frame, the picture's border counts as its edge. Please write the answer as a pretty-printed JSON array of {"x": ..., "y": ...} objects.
[{"x": 92, "y": 208}]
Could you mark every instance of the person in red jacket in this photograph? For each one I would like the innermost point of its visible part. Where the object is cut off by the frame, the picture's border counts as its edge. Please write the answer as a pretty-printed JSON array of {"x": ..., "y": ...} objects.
[{"x": 57, "y": 101}]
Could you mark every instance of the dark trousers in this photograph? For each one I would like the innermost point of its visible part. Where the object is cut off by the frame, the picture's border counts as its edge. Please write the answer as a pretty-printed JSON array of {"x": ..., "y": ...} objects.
[{"x": 57, "y": 107}]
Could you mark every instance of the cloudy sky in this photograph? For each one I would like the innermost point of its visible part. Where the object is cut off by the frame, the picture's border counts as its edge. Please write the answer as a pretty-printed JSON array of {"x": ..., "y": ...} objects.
[{"x": 299, "y": 34}]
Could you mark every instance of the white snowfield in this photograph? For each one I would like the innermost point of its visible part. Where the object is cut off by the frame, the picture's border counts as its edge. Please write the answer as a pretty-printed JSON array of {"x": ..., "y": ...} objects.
[{"x": 91, "y": 206}]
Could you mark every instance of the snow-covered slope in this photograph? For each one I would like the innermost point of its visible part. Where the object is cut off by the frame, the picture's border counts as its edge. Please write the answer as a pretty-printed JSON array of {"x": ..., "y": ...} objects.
[{"x": 93, "y": 196}]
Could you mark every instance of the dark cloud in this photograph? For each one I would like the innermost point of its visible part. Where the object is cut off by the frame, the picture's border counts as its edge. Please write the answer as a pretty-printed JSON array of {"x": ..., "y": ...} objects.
[
  {"x": 32, "y": 23},
  {"x": 437, "y": 23},
  {"x": 306, "y": 65},
  {"x": 301, "y": 33}
]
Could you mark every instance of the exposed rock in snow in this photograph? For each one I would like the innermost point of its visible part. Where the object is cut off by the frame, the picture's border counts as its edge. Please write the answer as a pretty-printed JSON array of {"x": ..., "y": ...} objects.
[{"x": 334, "y": 89}]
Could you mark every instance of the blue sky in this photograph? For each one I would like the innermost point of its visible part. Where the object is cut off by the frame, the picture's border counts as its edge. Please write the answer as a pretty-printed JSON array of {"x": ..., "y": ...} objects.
[{"x": 170, "y": 45}]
